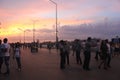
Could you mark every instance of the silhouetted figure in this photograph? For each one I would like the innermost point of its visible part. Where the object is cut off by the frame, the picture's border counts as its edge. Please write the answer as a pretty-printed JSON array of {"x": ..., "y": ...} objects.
[
  {"x": 62, "y": 54},
  {"x": 87, "y": 54},
  {"x": 97, "y": 56},
  {"x": 1, "y": 56},
  {"x": 104, "y": 50},
  {"x": 67, "y": 52},
  {"x": 73, "y": 48},
  {"x": 17, "y": 55},
  {"x": 117, "y": 46},
  {"x": 49, "y": 46},
  {"x": 78, "y": 48},
  {"x": 6, "y": 55},
  {"x": 109, "y": 54}
]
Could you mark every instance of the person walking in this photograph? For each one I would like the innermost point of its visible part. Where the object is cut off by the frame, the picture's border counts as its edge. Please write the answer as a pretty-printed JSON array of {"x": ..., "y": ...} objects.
[
  {"x": 17, "y": 55},
  {"x": 62, "y": 54},
  {"x": 6, "y": 55},
  {"x": 78, "y": 48},
  {"x": 97, "y": 56},
  {"x": 73, "y": 48},
  {"x": 104, "y": 51},
  {"x": 87, "y": 54},
  {"x": 67, "y": 52},
  {"x": 109, "y": 54},
  {"x": 1, "y": 56},
  {"x": 49, "y": 46}
]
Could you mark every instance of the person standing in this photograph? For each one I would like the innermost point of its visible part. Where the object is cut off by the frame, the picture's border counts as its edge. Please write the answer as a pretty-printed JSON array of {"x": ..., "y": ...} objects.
[
  {"x": 73, "y": 47},
  {"x": 62, "y": 54},
  {"x": 49, "y": 46},
  {"x": 17, "y": 55},
  {"x": 1, "y": 56},
  {"x": 104, "y": 55},
  {"x": 97, "y": 50},
  {"x": 6, "y": 55},
  {"x": 117, "y": 46},
  {"x": 109, "y": 53},
  {"x": 78, "y": 48},
  {"x": 87, "y": 54},
  {"x": 67, "y": 52}
]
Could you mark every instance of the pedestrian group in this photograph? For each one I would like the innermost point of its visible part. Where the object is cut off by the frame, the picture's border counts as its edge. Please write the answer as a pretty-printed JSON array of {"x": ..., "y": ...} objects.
[
  {"x": 104, "y": 51},
  {"x": 5, "y": 50}
]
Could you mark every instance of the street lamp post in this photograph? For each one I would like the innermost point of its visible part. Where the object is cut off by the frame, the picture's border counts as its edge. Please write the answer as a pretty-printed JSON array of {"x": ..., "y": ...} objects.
[
  {"x": 56, "y": 24},
  {"x": 24, "y": 36},
  {"x": 0, "y": 27},
  {"x": 34, "y": 21},
  {"x": 33, "y": 31},
  {"x": 24, "y": 33}
]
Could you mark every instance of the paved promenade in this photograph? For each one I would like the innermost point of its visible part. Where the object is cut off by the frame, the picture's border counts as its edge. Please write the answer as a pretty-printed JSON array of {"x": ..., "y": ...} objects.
[{"x": 45, "y": 66}]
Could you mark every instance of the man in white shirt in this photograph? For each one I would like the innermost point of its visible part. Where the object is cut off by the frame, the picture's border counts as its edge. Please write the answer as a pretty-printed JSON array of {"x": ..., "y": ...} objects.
[{"x": 6, "y": 55}]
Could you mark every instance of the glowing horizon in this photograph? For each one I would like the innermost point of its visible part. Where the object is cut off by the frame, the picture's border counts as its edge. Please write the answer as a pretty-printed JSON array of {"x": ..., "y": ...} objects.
[{"x": 19, "y": 16}]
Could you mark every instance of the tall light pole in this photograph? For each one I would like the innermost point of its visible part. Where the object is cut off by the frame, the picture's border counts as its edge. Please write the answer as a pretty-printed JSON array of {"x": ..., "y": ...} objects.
[
  {"x": 24, "y": 33},
  {"x": 34, "y": 21},
  {"x": 0, "y": 28},
  {"x": 56, "y": 23}
]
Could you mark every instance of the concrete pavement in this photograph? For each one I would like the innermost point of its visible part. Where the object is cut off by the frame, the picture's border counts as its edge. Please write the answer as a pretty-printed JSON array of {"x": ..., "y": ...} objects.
[{"x": 45, "y": 66}]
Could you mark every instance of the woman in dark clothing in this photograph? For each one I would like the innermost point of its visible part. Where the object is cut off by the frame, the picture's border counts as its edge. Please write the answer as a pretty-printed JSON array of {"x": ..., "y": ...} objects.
[{"x": 104, "y": 50}]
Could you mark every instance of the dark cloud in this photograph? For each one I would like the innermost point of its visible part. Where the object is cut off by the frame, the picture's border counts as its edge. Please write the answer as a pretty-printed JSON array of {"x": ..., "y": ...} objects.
[
  {"x": 45, "y": 30},
  {"x": 69, "y": 32},
  {"x": 99, "y": 30},
  {"x": 104, "y": 30}
]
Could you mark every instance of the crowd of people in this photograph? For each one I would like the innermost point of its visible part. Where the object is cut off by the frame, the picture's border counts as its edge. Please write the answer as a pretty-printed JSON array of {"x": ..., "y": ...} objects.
[{"x": 104, "y": 50}]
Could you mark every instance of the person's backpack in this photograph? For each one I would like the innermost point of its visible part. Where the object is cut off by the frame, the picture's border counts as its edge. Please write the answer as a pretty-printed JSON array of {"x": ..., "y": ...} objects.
[{"x": 3, "y": 48}]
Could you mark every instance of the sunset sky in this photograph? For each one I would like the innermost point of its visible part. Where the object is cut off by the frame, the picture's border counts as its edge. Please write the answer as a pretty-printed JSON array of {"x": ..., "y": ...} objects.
[{"x": 76, "y": 19}]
